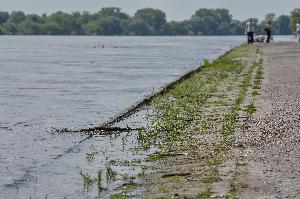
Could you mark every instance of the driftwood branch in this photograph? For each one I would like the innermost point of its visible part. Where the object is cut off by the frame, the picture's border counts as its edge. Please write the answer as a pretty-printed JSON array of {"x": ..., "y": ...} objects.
[
  {"x": 175, "y": 174},
  {"x": 102, "y": 129}
]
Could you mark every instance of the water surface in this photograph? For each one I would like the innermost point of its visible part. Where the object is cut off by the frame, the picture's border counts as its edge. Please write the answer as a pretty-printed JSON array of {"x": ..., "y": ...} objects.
[{"x": 78, "y": 82}]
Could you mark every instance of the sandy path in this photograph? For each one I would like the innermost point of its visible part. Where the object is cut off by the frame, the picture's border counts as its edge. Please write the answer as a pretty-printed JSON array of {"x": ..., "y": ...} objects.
[{"x": 274, "y": 165}]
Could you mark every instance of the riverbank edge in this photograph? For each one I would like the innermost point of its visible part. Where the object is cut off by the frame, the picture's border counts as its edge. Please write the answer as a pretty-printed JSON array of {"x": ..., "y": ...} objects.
[
  {"x": 149, "y": 98},
  {"x": 209, "y": 175}
]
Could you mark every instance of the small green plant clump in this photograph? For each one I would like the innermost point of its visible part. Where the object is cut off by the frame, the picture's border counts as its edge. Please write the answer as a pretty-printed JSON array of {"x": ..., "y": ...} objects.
[
  {"x": 154, "y": 157},
  {"x": 205, "y": 194},
  {"x": 119, "y": 196},
  {"x": 111, "y": 175},
  {"x": 87, "y": 180},
  {"x": 205, "y": 63},
  {"x": 250, "y": 109}
]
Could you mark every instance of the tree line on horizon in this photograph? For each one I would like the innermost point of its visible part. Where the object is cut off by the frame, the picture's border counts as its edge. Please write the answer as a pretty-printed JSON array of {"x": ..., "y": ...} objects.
[{"x": 145, "y": 22}]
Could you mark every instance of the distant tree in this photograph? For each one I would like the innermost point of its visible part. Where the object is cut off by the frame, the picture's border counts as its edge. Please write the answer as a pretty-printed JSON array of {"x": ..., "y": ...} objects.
[
  {"x": 52, "y": 28},
  {"x": 4, "y": 16},
  {"x": 10, "y": 28},
  {"x": 91, "y": 28},
  {"x": 112, "y": 12},
  {"x": 212, "y": 22},
  {"x": 138, "y": 26},
  {"x": 108, "y": 21},
  {"x": 17, "y": 17},
  {"x": 64, "y": 21},
  {"x": 259, "y": 28},
  {"x": 284, "y": 25},
  {"x": 237, "y": 28},
  {"x": 29, "y": 27},
  {"x": 154, "y": 19},
  {"x": 295, "y": 16},
  {"x": 86, "y": 17},
  {"x": 180, "y": 28},
  {"x": 109, "y": 25},
  {"x": 34, "y": 18},
  {"x": 280, "y": 25},
  {"x": 270, "y": 17},
  {"x": 148, "y": 21},
  {"x": 77, "y": 22}
]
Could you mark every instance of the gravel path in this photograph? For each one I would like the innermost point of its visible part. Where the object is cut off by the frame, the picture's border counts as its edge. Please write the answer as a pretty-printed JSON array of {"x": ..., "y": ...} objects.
[{"x": 273, "y": 161}]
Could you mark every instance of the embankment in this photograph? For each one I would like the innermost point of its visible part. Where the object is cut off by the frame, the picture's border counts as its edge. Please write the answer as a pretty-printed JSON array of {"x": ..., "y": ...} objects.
[{"x": 197, "y": 122}]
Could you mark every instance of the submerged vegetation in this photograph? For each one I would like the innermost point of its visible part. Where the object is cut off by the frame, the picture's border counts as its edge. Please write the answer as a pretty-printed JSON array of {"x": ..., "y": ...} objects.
[{"x": 148, "y": 21}]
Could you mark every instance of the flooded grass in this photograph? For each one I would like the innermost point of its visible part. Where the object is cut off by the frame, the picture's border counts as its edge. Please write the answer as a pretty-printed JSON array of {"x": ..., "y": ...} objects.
[
  {"x": 119, "y": 196},
  {"x": 88, "y": 180}
]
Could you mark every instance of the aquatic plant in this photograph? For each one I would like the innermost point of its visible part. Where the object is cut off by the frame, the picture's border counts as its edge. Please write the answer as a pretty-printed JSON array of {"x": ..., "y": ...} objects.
[
  {"x": 110, "y": 174},
  {"x": 99, "y": 182},
  {"x": 87, "y": 180},
  {"x": 119, "y": 196}
]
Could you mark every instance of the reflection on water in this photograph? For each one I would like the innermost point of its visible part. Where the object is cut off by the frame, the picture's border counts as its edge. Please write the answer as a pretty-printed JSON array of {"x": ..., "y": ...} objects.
[{"x": 78, "y": 82}]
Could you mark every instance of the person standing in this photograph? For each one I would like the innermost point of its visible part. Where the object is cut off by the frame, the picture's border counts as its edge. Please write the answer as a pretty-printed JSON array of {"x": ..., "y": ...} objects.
[
  {"x": 249, "y": 31},
  {"x": 298, "y": 30},
  {"x": 268, "y": 30}
]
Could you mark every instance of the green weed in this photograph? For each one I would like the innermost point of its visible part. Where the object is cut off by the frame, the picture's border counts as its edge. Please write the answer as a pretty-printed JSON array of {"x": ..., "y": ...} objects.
[
  {"x": 119, "y": 196},
  {"x": 205, "y": 194},
  {"x": 250, "y": 109},
  {"x": 87, "y": 180}
]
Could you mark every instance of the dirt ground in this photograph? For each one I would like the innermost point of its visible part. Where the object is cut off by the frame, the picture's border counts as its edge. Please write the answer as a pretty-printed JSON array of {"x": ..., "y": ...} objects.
[
  {"x": 272, "y": 165},
  {"x": 262, "y": 158}
]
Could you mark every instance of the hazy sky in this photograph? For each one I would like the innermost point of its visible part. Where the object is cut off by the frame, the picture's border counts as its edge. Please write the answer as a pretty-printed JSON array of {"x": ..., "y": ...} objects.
[{"x": 175, "y": 9}]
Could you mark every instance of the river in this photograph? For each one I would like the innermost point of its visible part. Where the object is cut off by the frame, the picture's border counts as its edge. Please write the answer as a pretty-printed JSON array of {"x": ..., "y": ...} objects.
[{"x": 51, "y": 82}]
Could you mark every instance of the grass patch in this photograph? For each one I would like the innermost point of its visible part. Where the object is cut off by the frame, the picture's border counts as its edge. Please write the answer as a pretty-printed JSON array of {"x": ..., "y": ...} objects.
[
  {"x": 231, "y": 195},
  {"x": 230, "y": 120},
  {"x": 255, "y": 93},
  {"x": 176, "y": 179},
  {"x": 154, "y": 157},
  {"x": 178, "y": 108},
  {"x": 205, "y": 194},
  {"x": 119, "y": 196},
  {"x": 165, "y": 190},
  {"x": 87, "y": 180},
  {"x": 211, "y": 178},
  {"x": 214, "y": 162},
  {"x": 237, "y": 184},
  {"x": 250, "y": 109},
  {"x": 259, "y": 75},
  {"x": 181, "y": 112}
]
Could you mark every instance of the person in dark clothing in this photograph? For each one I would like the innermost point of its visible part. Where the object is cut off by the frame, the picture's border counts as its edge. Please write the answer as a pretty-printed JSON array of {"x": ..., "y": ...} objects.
[
  {"x": 249, "y": 31},
  {"x": 268, "y": 30}
]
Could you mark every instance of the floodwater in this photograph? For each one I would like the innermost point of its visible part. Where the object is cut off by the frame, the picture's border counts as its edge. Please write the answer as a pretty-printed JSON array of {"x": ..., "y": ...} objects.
[{"x": 78, "y": 82}]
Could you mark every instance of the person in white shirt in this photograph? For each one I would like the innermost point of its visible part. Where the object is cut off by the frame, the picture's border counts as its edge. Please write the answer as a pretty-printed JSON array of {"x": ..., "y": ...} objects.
[
  {"x": 249, "y": 31},
  {"x": 298, "y": 30}
]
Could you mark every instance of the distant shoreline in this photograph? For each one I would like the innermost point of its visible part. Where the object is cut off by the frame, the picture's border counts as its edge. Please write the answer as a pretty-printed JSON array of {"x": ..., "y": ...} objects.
[{"x": 111, "y": 21}]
